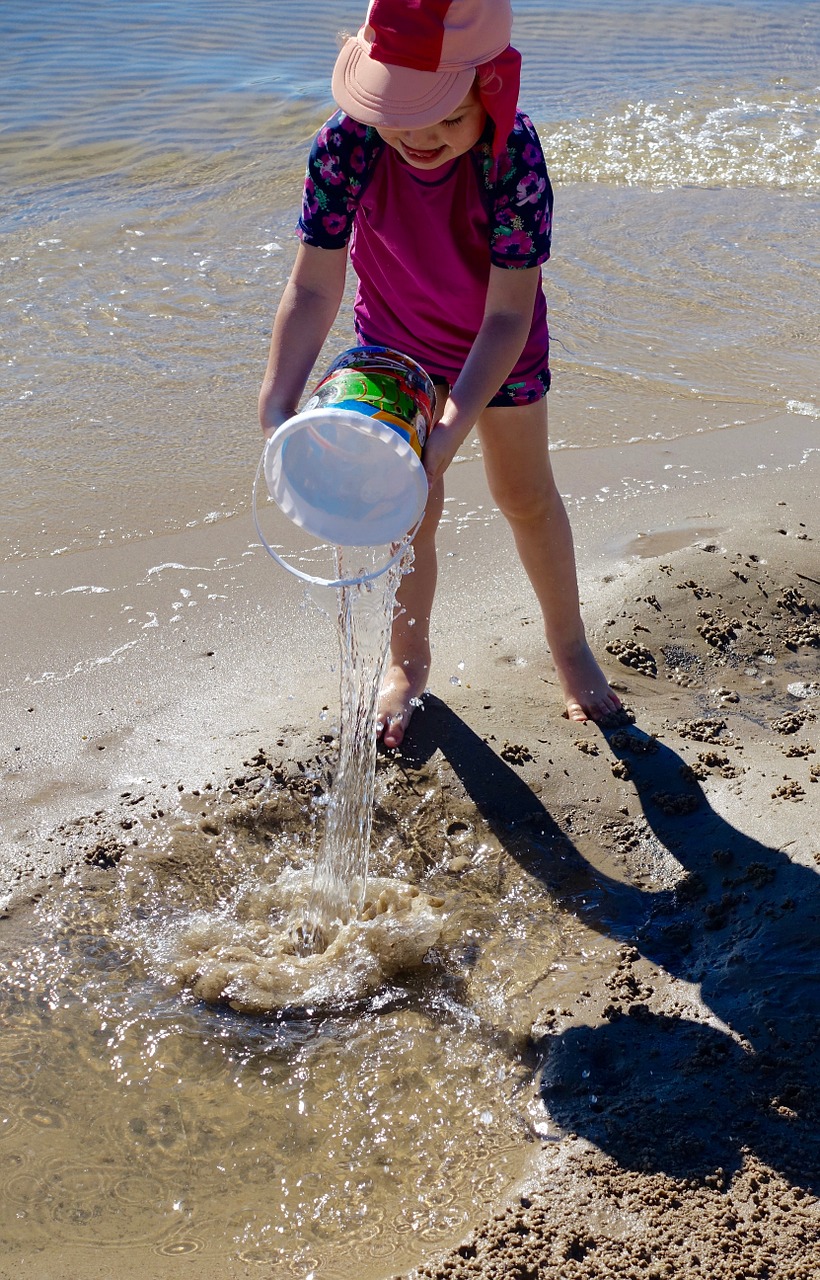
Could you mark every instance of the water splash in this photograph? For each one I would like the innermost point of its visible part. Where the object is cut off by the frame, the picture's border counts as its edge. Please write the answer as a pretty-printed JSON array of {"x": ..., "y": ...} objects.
[
  {"x": 333, "y": 937},
  {"x": 257, "y": 968},
  {"x": 365, "y": 613}
]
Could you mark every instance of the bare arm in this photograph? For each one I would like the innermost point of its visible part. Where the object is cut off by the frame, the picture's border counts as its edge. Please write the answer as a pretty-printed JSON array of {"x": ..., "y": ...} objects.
[
  {"x": 498, "y": 344},
  {"x": 306, "y": 311}
]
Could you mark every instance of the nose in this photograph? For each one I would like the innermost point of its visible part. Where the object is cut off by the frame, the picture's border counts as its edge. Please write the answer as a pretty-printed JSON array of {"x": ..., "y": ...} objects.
[{"x": 420, "y": 139}]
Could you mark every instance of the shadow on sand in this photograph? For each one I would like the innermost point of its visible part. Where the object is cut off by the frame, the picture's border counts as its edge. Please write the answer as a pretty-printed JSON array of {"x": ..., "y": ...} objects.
[{"x": 656, "y": 1091}]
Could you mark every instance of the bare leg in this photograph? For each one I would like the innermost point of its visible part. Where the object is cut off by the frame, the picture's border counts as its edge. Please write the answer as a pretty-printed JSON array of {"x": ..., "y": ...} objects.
[
  {"x": 407, "y": 675},
  {"x": 409, "y": 669},
  {"x": 519, "y": 473}
]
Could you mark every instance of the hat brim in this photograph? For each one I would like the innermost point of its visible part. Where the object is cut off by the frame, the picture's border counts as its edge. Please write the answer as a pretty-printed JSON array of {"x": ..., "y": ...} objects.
[{"x": 393, "y": 97}]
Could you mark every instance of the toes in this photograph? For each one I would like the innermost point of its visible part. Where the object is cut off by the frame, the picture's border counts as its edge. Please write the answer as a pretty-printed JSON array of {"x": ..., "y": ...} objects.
[
  {"x": 610, "y": 711},
  {"x": 395, "y": 729},
  {"x": 598, "y": 709}
]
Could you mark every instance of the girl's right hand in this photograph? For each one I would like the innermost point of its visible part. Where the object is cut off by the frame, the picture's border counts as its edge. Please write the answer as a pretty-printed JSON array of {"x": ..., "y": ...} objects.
[
  {"x": 442, "y": 446},
  {"x": 271, "y": 417}
]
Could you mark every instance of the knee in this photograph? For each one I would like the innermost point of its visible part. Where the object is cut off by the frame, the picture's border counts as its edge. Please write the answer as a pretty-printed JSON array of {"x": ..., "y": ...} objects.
[{"x": 529, "y": 503}]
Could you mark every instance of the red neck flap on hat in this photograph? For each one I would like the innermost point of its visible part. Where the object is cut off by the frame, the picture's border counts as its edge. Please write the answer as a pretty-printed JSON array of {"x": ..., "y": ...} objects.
[{"x": 498, "y": 85}]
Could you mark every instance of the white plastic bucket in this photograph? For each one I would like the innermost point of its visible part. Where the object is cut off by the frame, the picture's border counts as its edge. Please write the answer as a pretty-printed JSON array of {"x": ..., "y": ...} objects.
[
  {"x": 345, "y": 477},
  {"x": 347, "y": 469},
  {"x": 342, "y": 505}
]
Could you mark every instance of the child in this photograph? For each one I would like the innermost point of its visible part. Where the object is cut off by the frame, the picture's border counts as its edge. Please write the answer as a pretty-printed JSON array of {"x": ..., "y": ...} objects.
[{"x": 444, "y": 187}]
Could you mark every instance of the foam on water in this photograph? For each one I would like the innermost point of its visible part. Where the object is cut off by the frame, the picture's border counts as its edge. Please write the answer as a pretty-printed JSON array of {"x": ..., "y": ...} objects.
[
  {"x": 766, "y": 141},
  {"x": 259, "y": 967}
]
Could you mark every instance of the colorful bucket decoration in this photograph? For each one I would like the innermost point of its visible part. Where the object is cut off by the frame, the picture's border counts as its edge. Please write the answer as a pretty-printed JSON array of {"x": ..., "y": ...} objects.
[{"x": 384, "y": 384}]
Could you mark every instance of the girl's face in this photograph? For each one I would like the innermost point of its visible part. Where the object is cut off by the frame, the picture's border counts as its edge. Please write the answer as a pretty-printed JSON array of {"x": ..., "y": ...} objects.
[{"x": 437, "y": 143}]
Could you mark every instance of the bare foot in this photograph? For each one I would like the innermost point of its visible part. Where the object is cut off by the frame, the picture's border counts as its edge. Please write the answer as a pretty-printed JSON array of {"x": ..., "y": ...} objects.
[
  {"x": 586, "y": 689},
  {"x": 403, "y": 687}
]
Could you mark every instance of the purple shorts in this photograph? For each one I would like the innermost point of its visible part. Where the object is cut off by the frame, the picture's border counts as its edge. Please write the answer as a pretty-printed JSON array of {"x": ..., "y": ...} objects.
[
  {"x": 522, "y": 390},
  {"x": 516, "y": 392}
]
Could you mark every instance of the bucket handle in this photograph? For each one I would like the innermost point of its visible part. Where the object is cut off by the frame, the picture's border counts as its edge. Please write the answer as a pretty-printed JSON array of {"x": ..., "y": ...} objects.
[{"x": 313, "y": 579}]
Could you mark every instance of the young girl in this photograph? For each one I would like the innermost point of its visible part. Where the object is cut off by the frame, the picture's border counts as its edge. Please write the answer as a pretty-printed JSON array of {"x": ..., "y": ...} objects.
[{"x": 443, "y": 186}]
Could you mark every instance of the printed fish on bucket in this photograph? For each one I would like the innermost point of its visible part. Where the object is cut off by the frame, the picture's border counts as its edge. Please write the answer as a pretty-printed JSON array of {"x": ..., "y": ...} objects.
[{"x": 383, "y": 383}]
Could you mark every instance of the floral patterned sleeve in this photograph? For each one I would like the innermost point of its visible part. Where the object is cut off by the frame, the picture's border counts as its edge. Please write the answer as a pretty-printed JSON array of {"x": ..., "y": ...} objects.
[
  {"x": 340, "y": 163},
  {"x": 521, "y": 227}
]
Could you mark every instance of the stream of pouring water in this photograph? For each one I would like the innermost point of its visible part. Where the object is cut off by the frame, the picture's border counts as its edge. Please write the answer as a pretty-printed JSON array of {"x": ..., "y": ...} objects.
[{"x": 364, "y": 616}]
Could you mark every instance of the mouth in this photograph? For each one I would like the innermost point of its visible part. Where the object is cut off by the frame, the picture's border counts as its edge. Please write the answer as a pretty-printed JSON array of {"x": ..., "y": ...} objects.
[{"x": 423, "y": 157}]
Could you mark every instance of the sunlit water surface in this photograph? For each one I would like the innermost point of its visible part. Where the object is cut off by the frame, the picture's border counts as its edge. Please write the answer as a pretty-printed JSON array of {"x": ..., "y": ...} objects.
[
  {"x": 140, "y": 1123},
  {"x": 240, "y": 1042},
  {"x": 152, "y": 166}
]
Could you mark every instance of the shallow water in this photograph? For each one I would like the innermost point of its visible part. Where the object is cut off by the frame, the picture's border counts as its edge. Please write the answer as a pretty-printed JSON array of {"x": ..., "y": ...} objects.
[
  {"x": 139, "y": 1123},
  {"x": 152, "y": 170}
]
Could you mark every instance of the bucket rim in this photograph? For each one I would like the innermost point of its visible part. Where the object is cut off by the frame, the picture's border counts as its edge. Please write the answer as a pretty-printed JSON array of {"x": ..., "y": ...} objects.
[
  {"x": 356, "y": 419},
  {"x": 315, "y": 580},
  {"x": 367, "y": 425},
  {"x": 334, "y": 431}
]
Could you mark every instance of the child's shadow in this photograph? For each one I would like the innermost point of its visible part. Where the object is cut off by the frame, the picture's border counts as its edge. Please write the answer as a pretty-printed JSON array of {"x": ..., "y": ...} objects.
[{"x": 660, "y": 1091}]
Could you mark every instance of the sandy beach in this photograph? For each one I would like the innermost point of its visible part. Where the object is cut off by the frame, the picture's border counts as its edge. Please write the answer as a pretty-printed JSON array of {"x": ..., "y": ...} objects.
[
  {"x": 606, "y": 1063},
  {"x": 679, "y": 1084},
  {"x": 671, "y": 1053}
]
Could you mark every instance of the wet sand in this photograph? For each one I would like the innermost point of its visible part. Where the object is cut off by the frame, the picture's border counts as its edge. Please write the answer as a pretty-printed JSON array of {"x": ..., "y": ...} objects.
[
  {"x": 680, "y": 1135},
  {"x": 674, "y": 1130}
]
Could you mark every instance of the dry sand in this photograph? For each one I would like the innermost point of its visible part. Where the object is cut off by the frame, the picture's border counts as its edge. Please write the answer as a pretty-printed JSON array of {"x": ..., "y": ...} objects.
[{"x": 680, "y": 1133}]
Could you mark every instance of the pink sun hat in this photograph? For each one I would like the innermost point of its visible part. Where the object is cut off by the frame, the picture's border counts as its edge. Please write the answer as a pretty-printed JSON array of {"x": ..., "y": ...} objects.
[{"x": 414, "y": 61}]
